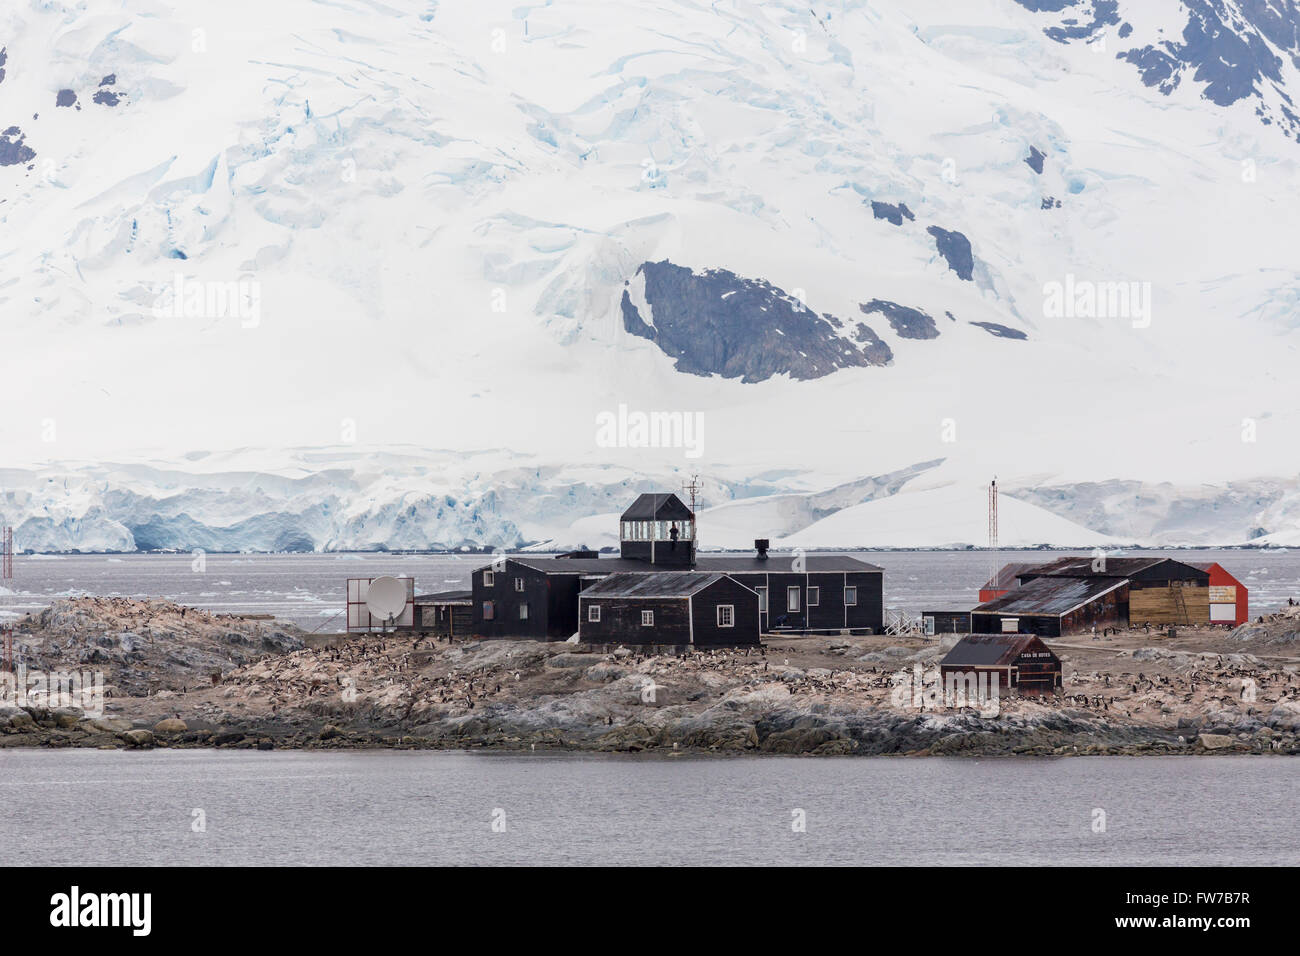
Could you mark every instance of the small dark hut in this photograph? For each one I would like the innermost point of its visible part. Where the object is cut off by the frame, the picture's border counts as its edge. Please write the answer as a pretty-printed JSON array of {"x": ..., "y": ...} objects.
[
  {"x": 1020, "y": 661},
  {"x": 447, "y": 613}
]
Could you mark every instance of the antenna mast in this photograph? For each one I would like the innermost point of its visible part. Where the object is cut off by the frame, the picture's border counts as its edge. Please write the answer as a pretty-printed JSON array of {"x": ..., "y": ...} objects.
[
  {"x": 6, "y": 574},
  {"x": 993, "y": 532},
  {"x": 692, "y": 488}
]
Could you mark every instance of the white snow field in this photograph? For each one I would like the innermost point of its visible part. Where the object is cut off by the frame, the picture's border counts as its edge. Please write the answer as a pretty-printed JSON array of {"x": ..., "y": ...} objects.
[{"x": 398, "y": 227}]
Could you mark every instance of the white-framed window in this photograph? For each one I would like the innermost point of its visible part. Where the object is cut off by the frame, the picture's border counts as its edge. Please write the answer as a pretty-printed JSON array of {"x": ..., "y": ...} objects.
[
  {"x": 814, "y": 596},
  {"x": 647, "y": 618},
  {"x": 792, "y": 599},
  {"x": 523, "y": 612},
  {"x": 762, "y": 600},
  {"x": 519, "y": 584},
  {"x": 726, "y": 615},
  {"x": 489, "y": 611},
  {"x": 851, "y": 596},
  {"x": 489, "y": 579},
  {"x": 593, "y": 613}
]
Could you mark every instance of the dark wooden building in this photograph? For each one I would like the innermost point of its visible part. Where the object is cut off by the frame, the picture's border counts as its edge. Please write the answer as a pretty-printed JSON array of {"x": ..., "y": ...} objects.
[
  {"x": 1160, "y": 590},
  {"x": 1018, "y": 661},
  {"x": 659, "y": 530},
  {"x": 814, "y": 593},
  {"x": 1054, "y": 606},
  {"x": 538, "y": 597},
  {"x": 945, "y": 621},
  {"x": 523, "y": 596},
  {"x": 681, "y": 608},
  {"x": 446, "y": 613}
]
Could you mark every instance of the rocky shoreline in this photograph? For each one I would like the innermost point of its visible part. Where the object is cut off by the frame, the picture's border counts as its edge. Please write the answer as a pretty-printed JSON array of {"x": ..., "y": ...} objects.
[{"x": 188, "y": 679}]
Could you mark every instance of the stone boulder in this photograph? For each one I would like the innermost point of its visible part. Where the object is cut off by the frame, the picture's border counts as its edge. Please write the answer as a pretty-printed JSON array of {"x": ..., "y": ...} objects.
[{"x": 111, "y": 725}]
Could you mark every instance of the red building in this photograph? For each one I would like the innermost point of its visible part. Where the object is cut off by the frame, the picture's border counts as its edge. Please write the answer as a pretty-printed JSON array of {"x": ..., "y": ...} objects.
[{"x": 1229, "y": 598}]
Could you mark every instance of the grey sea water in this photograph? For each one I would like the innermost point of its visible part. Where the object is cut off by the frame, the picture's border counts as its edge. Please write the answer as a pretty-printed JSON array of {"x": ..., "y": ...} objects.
[
  {"x": 308, "y": 589},
  {"x": 360, "y": 808}
]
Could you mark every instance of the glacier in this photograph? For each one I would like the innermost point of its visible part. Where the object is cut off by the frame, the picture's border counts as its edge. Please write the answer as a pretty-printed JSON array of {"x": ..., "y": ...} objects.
[
  {"x": 348, "y": 499},
  {"x": 438, "y": 219}
]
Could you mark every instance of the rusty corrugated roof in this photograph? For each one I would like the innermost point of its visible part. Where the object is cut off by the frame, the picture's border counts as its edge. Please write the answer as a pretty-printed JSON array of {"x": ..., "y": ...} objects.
[
  {"x": 988, "y": 650},
  {"x": 1096, "y": 567},
  {"x": 1050, "y": 595},
  {"x": 1006, "y": 577}
]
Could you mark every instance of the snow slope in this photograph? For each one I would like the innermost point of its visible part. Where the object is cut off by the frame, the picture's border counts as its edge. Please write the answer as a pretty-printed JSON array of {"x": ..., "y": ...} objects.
[{"x": 427, "y": 216}]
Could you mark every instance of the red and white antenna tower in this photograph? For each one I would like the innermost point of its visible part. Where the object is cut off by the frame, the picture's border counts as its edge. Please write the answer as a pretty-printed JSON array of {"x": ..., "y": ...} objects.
[
  {"x": 993, "y": 531},
  {"x": 6, "y": 574}
]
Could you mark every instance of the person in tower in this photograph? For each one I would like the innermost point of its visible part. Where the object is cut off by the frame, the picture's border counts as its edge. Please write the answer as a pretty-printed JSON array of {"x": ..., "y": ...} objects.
[{"x": 673, "y": 535}]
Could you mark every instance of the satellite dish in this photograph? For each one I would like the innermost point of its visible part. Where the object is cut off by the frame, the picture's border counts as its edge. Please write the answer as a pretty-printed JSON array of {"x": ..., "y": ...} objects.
[{"x": 386, "y": 597}]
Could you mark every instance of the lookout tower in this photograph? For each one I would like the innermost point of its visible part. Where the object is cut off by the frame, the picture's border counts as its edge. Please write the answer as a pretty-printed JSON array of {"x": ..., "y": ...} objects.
[{"x": 660, "y": 530}]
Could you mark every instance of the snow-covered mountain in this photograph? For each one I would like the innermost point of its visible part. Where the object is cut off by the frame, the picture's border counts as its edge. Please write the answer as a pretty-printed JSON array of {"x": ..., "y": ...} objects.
[{"x": 1044, "y": 239}]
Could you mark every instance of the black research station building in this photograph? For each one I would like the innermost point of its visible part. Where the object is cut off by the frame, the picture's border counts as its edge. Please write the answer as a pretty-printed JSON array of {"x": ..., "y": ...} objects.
[
  {"x": 664, "y": 593},
  {"x": 674, "y": 607}
]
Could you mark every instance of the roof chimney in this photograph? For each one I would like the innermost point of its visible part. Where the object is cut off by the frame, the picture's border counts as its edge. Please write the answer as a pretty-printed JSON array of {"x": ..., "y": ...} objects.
[{"x": 760, "y": 545}]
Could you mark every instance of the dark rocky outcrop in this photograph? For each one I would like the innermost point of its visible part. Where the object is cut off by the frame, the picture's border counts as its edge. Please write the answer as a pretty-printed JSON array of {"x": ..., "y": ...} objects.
[
  {"x": 13, "y": 150},
  {"x": 718, "y": 323},
  {"x": 1035, "y": 159},
  {"x": 1001, "y": 331},
  {"x": 909, "y": 323},
  {"x": 892, "y": 213},
  {"x": 956, "y": 251}
]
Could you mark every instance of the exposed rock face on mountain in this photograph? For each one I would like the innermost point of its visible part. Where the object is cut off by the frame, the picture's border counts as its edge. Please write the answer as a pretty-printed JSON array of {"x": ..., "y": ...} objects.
[
  {"x": 892, "y": 213},
  {"x": 907, "y": 322},
  {"x": 1001, "y": 331},
  {"x": 956, "y": 251},
  {"x": 718, "y": 323},
  {"x": 13, "y": 149},
  {"x": 1232, "y": 49}
]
